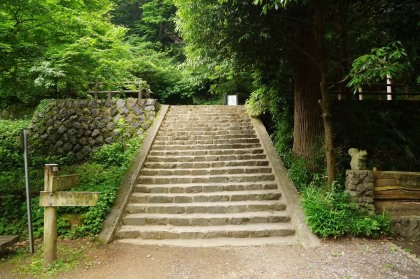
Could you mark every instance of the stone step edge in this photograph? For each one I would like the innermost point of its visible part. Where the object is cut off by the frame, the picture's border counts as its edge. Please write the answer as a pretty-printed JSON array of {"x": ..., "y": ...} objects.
[
  {"x": 227, "y": 187},
  {"x": 210, "y": 162},
  {"x": 211, "y": 204},
  {"x": 232, "y": 150},
  {"x": 204, "y": 229},
  {"x": 202, "y": 156},
  {"x": 271, "y": 213},
  {"x": 205, "y": 176},
  {"x": 230, "y": 193},
  {"x": 211, "y": 168},
  {"x": 214, "y": 242}
]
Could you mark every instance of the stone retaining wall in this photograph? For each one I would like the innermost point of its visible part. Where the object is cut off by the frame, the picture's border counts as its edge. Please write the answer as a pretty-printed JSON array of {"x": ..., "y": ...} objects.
[
  {"x": 75, "y": 127},
  {"x": 397, "y": 193}
]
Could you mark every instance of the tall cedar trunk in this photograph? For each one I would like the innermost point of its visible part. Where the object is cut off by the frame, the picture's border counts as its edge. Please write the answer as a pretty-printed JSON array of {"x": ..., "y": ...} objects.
[{"x": 307, "y": 112}]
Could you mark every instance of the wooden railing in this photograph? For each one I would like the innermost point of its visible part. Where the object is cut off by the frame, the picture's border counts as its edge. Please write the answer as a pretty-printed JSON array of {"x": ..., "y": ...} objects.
[
  {"x": 385, "y": 91},
  {"x": 140, "y": 89}
]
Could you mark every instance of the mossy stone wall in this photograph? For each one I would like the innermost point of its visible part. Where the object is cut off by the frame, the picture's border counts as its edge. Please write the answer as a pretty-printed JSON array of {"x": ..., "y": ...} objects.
[{"x": 75, "y": 127}]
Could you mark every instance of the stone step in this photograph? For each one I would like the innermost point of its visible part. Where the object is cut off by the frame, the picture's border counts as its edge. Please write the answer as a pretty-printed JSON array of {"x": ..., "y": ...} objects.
[
  {"x": 213, "y": 129},
  {"x": 206, "y": 121},
  {"x": 212, "y": 117},
  {"x": 203, "y": 219},
  {"x": 157, "y": 147},
  {"x": 204, "y": 187},
  {"x": 193, "y": 152},
  {"x": 205, "y": 137},
  {"x": 214, "y": 242},
  {"x": 269, "y": 195},
  {"x": 178, "y": 179},
  {"x": 206, "y": 171},
  {"x": 206, "y": 207},
  {"x": 205, "y": 158},
  {"x": 205, "y": 133},
  {"x": 205, "y": 232},
  {"x": 208, "y": 164},
  {"x": 207, "y": 141},
  {"x": 206, "y": 107}
]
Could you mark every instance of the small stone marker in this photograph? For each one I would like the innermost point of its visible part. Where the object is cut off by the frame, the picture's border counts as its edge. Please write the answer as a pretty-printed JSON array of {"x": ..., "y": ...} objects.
[{"x": 50, "y": 199}]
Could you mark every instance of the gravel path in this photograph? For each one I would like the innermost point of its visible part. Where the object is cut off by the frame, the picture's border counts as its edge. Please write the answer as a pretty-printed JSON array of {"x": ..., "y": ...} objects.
[{"x": 349, "y": 258}]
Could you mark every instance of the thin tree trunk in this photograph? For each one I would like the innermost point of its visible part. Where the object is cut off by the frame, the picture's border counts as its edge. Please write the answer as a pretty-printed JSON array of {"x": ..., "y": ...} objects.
[{"x": 324, "y": 101}]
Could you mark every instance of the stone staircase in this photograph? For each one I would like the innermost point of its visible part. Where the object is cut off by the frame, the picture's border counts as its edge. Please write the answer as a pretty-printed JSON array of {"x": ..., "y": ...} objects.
[{"x": 206, "y": 181}]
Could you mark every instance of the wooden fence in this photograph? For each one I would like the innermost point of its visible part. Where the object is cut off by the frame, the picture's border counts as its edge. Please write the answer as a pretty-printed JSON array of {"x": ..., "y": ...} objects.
[
  {"x": 384, "y": 91},
  {"x": 140, "y": 89}
]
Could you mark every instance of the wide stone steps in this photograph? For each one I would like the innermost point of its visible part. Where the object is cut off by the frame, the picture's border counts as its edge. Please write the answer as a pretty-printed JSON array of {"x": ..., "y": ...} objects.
[
  {"x": 177, "y": 179},
  {"x": 207, "y": 164},
  {"x": 203, "y": 219},
  {"x": 204, "y": 197},
  {"x": 205, "y": 232},
  {"x": 206, "y": 207},
  {"x": 193, "y": 152},
  {"x": 206, "y": 171},
  {"x": 206, "y": 177},
  {"x": 205, "y": 187}
]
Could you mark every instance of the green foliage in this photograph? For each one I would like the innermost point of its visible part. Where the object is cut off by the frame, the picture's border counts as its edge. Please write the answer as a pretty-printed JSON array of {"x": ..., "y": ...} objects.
[
  {"x": 386, "y": 61},
  {"x": 55, "y": 48},
  {"x": 117, "y": 154},
  {"x": 10, "y": 150},
  {"x": 332, "y": 214},
  {"x": 32, "y": 265}
]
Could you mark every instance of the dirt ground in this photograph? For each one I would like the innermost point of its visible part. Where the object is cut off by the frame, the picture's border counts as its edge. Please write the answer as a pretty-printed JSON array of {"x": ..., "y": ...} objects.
[{"x": 348, "y": 258}]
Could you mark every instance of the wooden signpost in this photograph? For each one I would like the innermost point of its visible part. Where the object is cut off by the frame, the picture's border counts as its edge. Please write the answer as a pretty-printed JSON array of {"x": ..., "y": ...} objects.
[{"x": 51, "y": 198}]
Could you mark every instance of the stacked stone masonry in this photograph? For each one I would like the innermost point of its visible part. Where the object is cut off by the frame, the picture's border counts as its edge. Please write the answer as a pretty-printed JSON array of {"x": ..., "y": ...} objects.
[
  {"x": 397, "y": 193},
  {"x": 359, "y": 184},
  {"x": 77, "y": 126}
]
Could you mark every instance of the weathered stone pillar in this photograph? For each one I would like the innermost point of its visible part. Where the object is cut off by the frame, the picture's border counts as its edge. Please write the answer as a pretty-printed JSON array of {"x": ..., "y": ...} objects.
[{"x": 360, "y": 186}]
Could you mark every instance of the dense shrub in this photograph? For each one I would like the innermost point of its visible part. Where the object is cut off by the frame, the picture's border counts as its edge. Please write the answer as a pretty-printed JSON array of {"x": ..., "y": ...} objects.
[{"x": 332, "y": 214}]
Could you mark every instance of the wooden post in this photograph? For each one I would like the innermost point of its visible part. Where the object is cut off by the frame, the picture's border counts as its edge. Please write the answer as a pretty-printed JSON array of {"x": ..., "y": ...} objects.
[
  {"x": 96, "y": 90},
  {"x": 50, "y": 217},
  {"x": 109, "y": 95},
  {"x": 388, "y": 88},
  {"x": 360, "y": 94},
  {"x": 140, "y": 91}
]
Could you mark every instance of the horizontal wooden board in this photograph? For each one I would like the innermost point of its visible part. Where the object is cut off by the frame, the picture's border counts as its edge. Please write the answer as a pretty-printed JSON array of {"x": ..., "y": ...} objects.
[
  {"x": 396, "y": 193},
  {"x": 7, "y": 240},
  {"x": 398, "y": 208},
  {"x": 65, "y": 182},
  {"x": 68, "y": 199}
]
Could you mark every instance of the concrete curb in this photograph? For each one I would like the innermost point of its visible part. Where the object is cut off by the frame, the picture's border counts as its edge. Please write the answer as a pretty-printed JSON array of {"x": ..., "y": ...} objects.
[
  {"x": 113, "y": 219},
  {"x": 291, "y": 196}
]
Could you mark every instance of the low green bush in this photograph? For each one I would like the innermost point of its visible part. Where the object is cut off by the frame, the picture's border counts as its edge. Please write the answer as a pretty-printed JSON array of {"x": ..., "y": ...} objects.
[{"x": 333, "y": 214}]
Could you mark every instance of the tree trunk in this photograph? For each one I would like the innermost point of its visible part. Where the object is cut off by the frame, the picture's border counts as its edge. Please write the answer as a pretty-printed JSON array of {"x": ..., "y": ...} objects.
[
  {"x": 324, "y": 101},
  {"x": 307, "y": 121}
]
